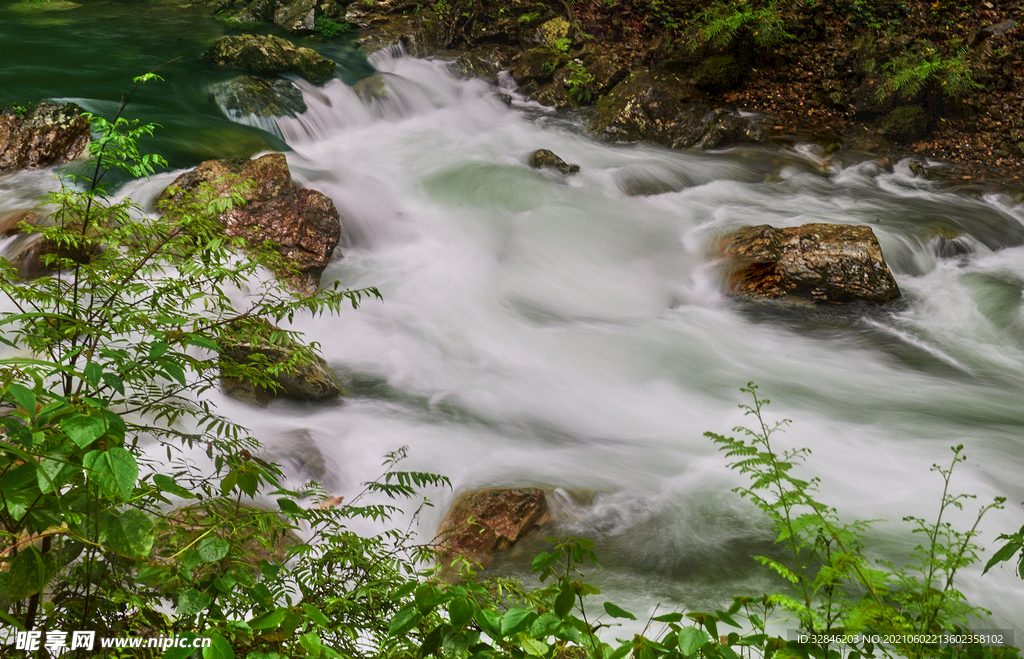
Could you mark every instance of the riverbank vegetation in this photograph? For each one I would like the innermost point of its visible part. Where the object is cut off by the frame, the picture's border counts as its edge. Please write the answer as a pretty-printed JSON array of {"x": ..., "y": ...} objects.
[{"x": 132, "y": 509}]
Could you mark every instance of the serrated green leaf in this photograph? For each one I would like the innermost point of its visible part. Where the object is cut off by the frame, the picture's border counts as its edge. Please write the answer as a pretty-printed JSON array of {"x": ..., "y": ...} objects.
[
  {"x": 83, "y": 429},
  {"x": 404, "y": 620},
  {"x": 212, "y": 549},
  {"x": 191, "y": 602},
  {"x": 129, "y": 533},
  {"x": 114, "y": 470}
]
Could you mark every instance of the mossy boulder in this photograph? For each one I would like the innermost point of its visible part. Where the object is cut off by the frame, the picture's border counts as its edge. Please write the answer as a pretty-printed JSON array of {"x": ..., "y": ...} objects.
[
  {"x": 717, "y": 73},
  {"x": 828, "y": 263},
  {"x": 302, "y": 380},
  {"x": 49, "y": 134},
  {"x": 260, "y": 97},
  {"x": 907, "y": 123},
  {"x": 551, "y": 31},
  {"x": 537, "y": 64},
  {"x": 661, "y": 107},
  {"x": 268, "y": 54}
]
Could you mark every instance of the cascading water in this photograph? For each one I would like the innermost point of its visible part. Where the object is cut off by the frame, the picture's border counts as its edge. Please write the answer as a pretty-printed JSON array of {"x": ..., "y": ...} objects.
[{"x": 539, "y": 329}]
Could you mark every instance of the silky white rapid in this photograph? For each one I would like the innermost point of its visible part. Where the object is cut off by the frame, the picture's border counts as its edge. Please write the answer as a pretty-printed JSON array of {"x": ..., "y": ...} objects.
[{"x": 549, "y": 330}]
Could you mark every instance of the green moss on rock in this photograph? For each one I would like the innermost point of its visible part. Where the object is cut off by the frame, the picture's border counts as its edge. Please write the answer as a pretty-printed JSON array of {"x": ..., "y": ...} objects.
[{"x": 269, "y": 55}]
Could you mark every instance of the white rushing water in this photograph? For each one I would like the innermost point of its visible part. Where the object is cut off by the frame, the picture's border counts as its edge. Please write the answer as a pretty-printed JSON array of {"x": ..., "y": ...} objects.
[{"x": 547, "y": 330}]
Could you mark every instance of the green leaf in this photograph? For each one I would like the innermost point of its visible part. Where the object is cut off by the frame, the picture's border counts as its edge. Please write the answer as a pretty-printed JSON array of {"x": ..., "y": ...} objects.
[
  {"x": 115, "y": 383},
  {"x": 532, "y": 646},
  {"x": 191, "y": 602},
  {"x": 460, "y": 611},
  {"x": 157, "y": 348},
  {"x": 48, "y": 475},
  {"x": 617, "y": 612},
  {"x": 93, "y": 373},
  {"x": 691, "y": 639},
  {"x": 515, "y": 620},
  {"x": 311, "y": 643},
  {"x": 83, "y": 429},
  {"x": 490, "y": 621},
  {"x": 174, "y": 372},
  {"x": 543, "y": 561},
  {"x": 404, "y": 620},
  {"x": 29, "y": 573},
  {"x": 129, "y": 533},
  {"x": 168, "y": 484},
  {"x": 544, "y": 625},
  {"x": 25, "y": 397},
  {"x": 269, "y": 620},
  {"x": 115, "y": 470},
  {"x": 428, "y": 596},
  {"x": 212, "y": 549},
  {"x": 315, "y": 614},
  {"x": 219, "y": 648},
  {"x": 565, "y": 600},
  {"x": 289, "y": 507},
  {"x": 668, "y": 617}
]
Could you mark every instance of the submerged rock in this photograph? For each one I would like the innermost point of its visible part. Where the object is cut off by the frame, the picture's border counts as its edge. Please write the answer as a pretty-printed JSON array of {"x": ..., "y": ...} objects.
[
  {"x": 304, "y": 224},
  {"x": 833, "y": 263},
  {"x": 483, "y": 522},
  {"x": 544, "y": 158},
  {"x": 305, "y": 382},
  {"x": 47, "y": 135},
  {"x": 259, "y": 97},
  {"x": 269, "y": 55}
]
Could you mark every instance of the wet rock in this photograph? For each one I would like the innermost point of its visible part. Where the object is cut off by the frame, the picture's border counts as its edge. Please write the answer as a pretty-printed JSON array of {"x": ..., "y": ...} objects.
[
  {"x": 537, "y": 64},
  {"x": 831, "y": 263},
  {"x": 260, "y": 97},
  {"x": 304, "y": 224},
  {"x": 717, "y": 73},
  {"x": 371, "y": 88},
  {"x": 297, "y": 16},
  {"x": 49, "y": 134},
  {"x": 269, "y": 55},
  {"x": 312, "y": 381},
  {"x": 640, "y": 182},
  {"x": 907, "y": 123},
  {"x": 872, "y": 97},
  {"x": 471, "y": 65},
  {"x": 950, "y": 248},
  {"x": 544, "y": 158},
  {"x": 483, "y": 522},
  {"x": 608, "y": 67}
]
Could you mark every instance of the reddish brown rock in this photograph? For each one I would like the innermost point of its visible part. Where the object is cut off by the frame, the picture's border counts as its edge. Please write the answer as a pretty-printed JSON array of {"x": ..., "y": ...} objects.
[
  {"x": 833, "y": 263},
  {"x": 304, "y": 224},
  {"x": 48, "y": 135},
  {"x": 486, "y": 521}
]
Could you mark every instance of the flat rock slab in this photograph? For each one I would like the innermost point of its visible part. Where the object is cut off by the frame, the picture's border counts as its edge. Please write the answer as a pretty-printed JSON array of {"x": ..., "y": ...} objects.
[
  {"x": 482, "y": 522},
  {"x": 830, "y": 263},
  {"x": 48, "y": 135}
]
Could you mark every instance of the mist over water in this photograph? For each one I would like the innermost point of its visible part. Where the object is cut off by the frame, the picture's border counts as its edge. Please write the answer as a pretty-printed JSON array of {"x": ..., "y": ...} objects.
[{"x": 546, "y": 330}]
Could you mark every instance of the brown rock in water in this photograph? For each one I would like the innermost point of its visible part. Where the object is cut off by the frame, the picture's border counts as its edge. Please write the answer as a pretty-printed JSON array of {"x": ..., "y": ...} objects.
[
  {"x": 303, "y": 223},
  {"x": 47, "y": 135},
  {"x": 486, "y": 521},
  {"x": 834, "y": 263}
]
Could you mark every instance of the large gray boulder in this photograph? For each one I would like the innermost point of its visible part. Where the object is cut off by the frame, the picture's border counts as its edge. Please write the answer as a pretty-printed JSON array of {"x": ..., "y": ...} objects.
[
  {"x": 830, "y": 263},
  {"x": 47, "y": 135},
  {"x": 303, "y": 224},
  {"x": 269, "y": 55}
]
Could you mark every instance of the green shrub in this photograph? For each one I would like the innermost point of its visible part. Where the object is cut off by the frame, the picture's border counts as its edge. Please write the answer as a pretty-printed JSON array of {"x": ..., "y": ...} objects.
[
  {"x": 330, "y": 27},
  {"x": 909, "y": 73},
  {"x": 721, "y": 24}
]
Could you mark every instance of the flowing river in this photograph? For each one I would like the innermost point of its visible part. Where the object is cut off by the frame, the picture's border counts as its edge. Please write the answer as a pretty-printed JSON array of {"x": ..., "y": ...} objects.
[{"x": 544, "y": 330}]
